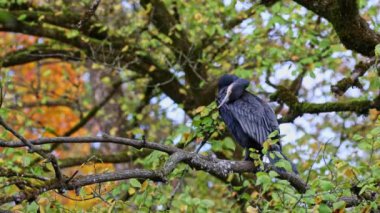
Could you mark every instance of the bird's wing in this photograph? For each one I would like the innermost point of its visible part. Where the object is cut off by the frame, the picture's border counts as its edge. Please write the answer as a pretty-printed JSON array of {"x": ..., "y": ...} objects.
[{"x": 255, "y": 117}]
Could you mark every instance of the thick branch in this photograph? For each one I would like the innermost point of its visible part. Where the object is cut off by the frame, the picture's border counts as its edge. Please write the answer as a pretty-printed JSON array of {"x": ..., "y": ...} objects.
[
  {"x": 11, "y": 24},
  {"x": 283, "y": 95},
  {"x": 353, "y": 31},
  {"x": 36, "y": 53},
  {"x": 217, "y": 167}
]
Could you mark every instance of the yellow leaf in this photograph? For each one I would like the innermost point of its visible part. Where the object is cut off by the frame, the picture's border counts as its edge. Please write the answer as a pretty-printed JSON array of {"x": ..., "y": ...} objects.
[
  {"x": 214, "y": 135},
  {"x": 251, "y": 209},
  {"x": 43, "y": 201},
  {"x": 125, "y": 48},
  {"x": 340, "y": 164},
  {"x": 97, "y": 66},
  {"x": 349, "y": 173},
  {"x": 186, "y": 136},
  {"x": 152, "y": 68},
  {"x": 254, "y": 195},
  {"x": 373, "y": 114},
  {"x": 318, "y": 200},
  {"x": 230, "y": 177},
  {"x": 183, "y": 208},
  {"x": 144, "y": 185},
  {"x": 40, "y": 18},
  {"x": 182, "y": 91},
  {"x": 198, "y": 17},
  {"x": 117, "y": 7},
  {"x": 225, "y": 65},
  {"x": 295, "y": 58},
  {"x": 85, "y": 39},
  {"x": 314, "y": 146},
  {"x": 17, "y": 208},
  {"x": 131, "y": 191},
  {"x": 113, "y": 131},
  {"x": 199, "y": 109},
  {"x": 139, "y": 117},
  {"x": 110, "y": 210},
  {"x": 258, "y": 48}
]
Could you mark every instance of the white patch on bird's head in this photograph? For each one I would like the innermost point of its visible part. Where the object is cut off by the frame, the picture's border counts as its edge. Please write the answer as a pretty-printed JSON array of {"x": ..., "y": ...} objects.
[{"x": 227, "y": 97}]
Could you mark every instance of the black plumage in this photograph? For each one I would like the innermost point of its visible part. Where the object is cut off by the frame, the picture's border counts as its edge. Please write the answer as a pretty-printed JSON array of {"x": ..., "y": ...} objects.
[{"x": 248, "y": 118}]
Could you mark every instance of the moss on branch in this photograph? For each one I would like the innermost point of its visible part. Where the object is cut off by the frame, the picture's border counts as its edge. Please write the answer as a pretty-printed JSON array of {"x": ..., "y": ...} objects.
[{"x": 284, "y": 95}]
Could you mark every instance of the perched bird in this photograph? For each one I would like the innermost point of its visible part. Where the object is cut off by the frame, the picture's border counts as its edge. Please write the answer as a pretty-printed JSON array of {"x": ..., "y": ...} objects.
[{"x": 248, "y": 118}]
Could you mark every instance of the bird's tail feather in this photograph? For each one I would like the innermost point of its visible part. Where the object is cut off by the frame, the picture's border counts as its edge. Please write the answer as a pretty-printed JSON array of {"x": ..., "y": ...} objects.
[{"x": 276, "y": 156}]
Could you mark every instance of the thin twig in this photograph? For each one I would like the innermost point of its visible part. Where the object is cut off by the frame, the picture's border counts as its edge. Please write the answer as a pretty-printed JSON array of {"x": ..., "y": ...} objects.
[
  {"x": 50, "y": 157},
  {"x": 89, "y": 13},
  {"x": 182, "y": 180}
]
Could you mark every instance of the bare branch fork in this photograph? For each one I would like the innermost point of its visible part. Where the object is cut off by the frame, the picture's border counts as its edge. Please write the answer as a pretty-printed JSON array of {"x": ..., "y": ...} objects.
[{"x": 360, "y": 69}]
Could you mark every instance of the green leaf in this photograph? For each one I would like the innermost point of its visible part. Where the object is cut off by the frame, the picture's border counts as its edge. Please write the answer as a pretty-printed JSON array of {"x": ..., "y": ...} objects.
[
  {"x": 32, "y": 207},
  {"x": 357, "y": 137},
  {"x": 364, "y": 146},
  {"x": 326, "y": 185},
  {"x": 284, "y": 164},
  {"x": 135, "y": 183},
  {"x": 323, "y": 208},
  {"x": 273, "y": 134},
  {"x": 72, "y": 33},
  {"x": 207, "y": 203},
  {"x": 339, "y": 205},
  {"x": 229, "y": 144},
  {"x": 273, "y": 174},
  {"x": 312, "y": 75},
  {"x": 263, "y": 179},
  {"x": 375, "y": 131},
  {"x": 22, "y": 17},
  {"x": 377, "y": 50}
]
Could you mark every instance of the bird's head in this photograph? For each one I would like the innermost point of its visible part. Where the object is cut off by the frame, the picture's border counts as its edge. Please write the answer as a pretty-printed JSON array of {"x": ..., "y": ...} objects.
[
  {"x": 235, "y": 87},
  {"x": 226, "y": 80}
]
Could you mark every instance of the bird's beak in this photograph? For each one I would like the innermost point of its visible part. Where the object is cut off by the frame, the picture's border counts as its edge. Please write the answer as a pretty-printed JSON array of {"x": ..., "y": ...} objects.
[{"x": 227, "y": 97}]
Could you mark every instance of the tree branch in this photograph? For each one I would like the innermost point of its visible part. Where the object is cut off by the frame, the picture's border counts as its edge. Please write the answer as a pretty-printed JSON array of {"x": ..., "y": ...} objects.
[
  {"x": 360, "y": 69},
  {"x": 81, "y": 181},
  {"x": 186, "y": 53},
  {"x": 283, "y": 95},
  {"x": 58, "y": 103},
  {"x": 353, "y": 31},
  {"x": 32, "y": 148},
  {"x": 217, "y": 167},
  {"x": 89, "y": 13},
  {"x": 119, "y": 157},
  {"x": 73, "y": 184},
  {"x": 36, "y": 53}
]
